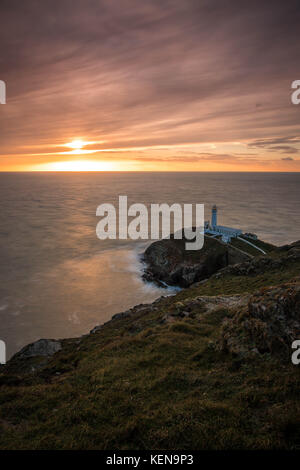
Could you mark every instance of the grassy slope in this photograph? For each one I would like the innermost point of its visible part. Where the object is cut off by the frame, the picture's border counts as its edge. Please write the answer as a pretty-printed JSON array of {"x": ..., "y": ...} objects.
[
  {"x": 139, "y": 383},
  {"x": 267, "y": 247},
  {"x": 229, "y": 284}
]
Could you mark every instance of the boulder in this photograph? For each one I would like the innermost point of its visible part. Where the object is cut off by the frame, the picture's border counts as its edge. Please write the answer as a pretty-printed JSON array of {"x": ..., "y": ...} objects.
[
  {"x": 269, "y": 324},
  {"x": 42, "y": 347}
]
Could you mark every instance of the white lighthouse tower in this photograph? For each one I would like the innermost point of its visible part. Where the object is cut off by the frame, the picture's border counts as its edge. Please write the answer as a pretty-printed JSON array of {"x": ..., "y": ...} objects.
[{"x": 214, "y": 222}]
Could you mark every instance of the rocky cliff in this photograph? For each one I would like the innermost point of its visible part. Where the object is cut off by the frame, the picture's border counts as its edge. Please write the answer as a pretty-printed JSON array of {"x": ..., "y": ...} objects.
[
  {"x": 207, "y": 368},
  {"x": 168, "y": 262}
]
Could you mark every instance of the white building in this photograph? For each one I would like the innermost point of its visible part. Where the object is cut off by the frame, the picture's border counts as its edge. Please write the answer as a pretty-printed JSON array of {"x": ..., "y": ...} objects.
[{"x": 214, "y": 229}]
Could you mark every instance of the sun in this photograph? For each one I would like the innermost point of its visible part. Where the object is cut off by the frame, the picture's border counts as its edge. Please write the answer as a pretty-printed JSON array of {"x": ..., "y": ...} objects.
[{"x": 76, "y": 144}]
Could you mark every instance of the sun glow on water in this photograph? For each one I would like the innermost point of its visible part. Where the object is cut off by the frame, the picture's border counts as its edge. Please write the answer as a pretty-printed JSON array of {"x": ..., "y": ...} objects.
[{"x": 79, "y": 165}]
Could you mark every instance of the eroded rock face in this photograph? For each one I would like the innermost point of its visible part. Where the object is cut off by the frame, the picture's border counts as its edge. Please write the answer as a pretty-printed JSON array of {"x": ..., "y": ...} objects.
[
  {"x": 42, "y": 347},
  {"x": 269, "y": 323},
  {"x": 168, "y": 262}
]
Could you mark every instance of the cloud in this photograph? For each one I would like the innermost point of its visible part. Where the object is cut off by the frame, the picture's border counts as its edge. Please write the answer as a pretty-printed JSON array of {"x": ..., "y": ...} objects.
[
  {"x": 159, "y": 72},
  {"x": 288, "y": 159},
  {"x": 279, "y": 144},
  {"x": 284, "y": 149}
]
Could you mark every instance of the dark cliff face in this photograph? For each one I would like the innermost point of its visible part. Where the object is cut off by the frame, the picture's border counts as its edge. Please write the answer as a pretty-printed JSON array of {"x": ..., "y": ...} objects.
[{"x": 169, "y": 262}]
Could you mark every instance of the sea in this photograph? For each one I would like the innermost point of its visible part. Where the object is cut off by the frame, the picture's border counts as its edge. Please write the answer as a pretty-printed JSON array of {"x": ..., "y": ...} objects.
[{"x": 58, "y": 280}]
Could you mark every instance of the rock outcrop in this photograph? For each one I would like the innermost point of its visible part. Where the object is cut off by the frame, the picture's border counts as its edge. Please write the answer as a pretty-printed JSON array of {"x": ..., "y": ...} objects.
[
  {"x": 35, "y": 356},
  {"x": 168, "y": 262},
  {"x": 42, "y": 347},
  {"x": 269, "y": 323}
]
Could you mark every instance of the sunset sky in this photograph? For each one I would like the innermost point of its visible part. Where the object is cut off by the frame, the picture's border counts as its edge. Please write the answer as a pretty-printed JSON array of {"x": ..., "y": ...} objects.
[{"x": 177, "y": 85}]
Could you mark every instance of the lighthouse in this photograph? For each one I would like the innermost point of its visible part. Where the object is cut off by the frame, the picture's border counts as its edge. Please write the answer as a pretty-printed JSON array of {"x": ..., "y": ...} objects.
[
  {"x": 214, "y": 222},
  {"x": 215, "y": 230}
]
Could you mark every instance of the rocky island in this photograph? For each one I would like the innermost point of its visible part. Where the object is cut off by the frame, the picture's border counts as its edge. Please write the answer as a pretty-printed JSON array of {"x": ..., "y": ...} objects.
[
  {"x": 169, "y": 263},
  {"x": 207, "y": 368}
]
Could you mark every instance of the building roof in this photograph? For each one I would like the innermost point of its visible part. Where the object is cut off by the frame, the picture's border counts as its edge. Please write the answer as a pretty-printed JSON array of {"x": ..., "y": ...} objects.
[{"x": 222, "y": 227}]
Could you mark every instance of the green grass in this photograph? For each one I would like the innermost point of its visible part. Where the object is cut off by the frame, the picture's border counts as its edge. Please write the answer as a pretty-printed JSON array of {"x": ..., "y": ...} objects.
[
  {"x": 267, "y": 247},
  {"x": 251, "y": 250},
  {"x": 231, "y": 285},
  {"x": 143, "y": 383}
]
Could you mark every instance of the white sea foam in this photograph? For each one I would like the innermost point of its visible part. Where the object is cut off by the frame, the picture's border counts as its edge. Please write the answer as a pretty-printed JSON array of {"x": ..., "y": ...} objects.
[{"x": 136, "y": 266}]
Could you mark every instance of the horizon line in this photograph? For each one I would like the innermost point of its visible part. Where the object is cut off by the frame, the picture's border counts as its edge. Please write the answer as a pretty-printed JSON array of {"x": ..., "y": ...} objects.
[{"x": 147, "y": 171}]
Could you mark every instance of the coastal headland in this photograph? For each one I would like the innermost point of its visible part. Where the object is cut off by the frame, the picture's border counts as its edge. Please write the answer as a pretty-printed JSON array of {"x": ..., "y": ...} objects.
[{"x": 207, "y": 368}]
